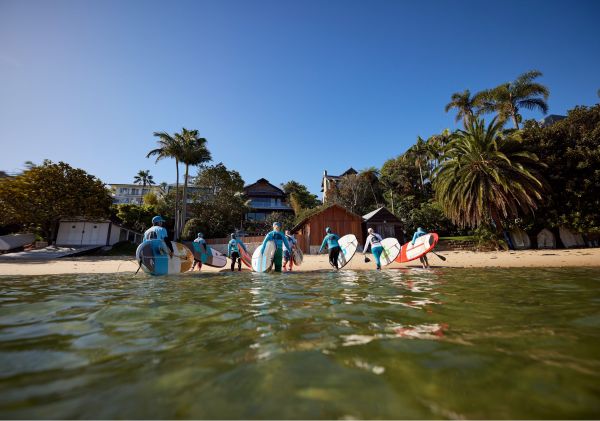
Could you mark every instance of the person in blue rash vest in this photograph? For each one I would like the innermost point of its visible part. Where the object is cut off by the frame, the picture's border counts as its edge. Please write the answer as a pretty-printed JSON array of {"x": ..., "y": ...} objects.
[
  {"x": 419, "y": 233},
  {"x": 202, "y": 242},
  {"x": 233, "y": 251},
  {"x": 279, "y": 239},
  {"x": 158, "y": 232},
  {"x": 331, "y": 240},
  {"x": 374, "y": 240}
]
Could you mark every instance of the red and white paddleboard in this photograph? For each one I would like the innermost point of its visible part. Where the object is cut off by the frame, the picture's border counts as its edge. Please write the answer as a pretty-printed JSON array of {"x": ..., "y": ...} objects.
[{"x": 423, "y": 245}]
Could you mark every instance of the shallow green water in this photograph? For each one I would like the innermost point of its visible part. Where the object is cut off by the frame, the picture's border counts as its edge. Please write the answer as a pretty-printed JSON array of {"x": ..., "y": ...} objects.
[{"x": 446, "y": 343}]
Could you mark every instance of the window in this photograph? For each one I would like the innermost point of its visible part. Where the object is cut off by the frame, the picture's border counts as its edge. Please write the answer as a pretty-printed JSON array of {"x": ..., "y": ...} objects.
[
  {"x": 256, "y": 216},
  {"x": 124, "y": 190}
]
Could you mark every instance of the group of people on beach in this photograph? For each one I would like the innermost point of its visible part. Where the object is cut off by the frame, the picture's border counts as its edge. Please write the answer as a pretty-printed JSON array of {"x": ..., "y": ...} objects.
[{"x": 285, "y": 245}]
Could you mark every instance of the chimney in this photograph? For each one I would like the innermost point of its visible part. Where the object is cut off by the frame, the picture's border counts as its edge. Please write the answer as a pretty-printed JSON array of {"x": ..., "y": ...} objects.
[{"x": 325, "y": 173}]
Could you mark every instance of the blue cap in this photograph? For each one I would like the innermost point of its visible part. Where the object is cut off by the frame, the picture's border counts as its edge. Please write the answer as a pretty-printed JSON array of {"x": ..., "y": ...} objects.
[
  {"x": 277, "y": 224},
  {"x": 233, "y": 235},
  {"x": 328, "y": 230},
  {"x": 200, "y": 235},
  {"x": 157, "y": 219}
]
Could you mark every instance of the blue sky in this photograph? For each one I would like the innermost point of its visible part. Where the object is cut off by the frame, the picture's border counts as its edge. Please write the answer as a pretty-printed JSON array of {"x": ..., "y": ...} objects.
[{"x": 281, "y": 89}]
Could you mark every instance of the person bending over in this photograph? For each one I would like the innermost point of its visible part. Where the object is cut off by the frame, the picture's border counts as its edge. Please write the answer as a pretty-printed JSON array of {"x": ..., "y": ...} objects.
[{"x": 331, "y": 240}]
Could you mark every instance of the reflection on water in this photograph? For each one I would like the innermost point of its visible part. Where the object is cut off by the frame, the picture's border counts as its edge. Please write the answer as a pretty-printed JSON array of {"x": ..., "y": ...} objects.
[{"x": 410, "y": 343}]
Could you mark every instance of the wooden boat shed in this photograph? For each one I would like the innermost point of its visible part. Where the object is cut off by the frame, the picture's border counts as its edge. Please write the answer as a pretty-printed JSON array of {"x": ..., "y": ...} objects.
[
  {"x": 311, "y": 230},
  {"x": 385, "y": 223}
]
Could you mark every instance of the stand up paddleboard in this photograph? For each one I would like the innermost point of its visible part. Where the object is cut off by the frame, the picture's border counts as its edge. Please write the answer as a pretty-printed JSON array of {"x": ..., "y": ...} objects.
[
  {"x": 261, "y": 262},
  {"x": 153, "y": 257},
  {"x": 298, "y": 256},
  {"x": 246, "y": 258},
  {"x": 208, "y": 255},
  {"x": 391, "y": 250},
  {"x": 422, "y": 246},
  {"x": 348, "y": 244}
]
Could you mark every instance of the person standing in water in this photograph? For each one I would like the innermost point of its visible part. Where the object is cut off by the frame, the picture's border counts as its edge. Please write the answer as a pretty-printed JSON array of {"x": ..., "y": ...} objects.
[
  {"x": 202, "y": 245},
  {"x": 419, "y": 233},
  {"x": 233, "y": 251},
  {"x": 279, "y": 239},
  {"x": 331, "y": 240},
  {"x": 288, "y": 255},
  {"x": 374, "y": 240},
  {"x": 158, "y": 232}
]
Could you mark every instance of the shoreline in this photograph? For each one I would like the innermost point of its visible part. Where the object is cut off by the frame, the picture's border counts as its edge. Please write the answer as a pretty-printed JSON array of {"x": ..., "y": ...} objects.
[{"x": 589, "y": 257}]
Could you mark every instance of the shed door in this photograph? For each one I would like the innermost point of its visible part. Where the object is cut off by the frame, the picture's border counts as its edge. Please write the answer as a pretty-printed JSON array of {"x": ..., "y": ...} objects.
[{"x": 94, "y": 233}]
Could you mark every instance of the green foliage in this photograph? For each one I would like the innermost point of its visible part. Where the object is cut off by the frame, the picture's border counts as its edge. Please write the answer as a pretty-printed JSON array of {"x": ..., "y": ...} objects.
[
  {"x": 299, "y": 197},
  {"x": 192, "y": 228},
  {"x": 286, "y": 220},
  {"x": 355, "y": 192},
  {"x": 487, "y": 175},
  {"x": 487, "y": 238},
  {"x": 571, "y": 150},
  {"x": 42, "y": 195},
  {"x": 135, "y": 217},
  {"x": 215, "y": 179},
  {"x": 430, "y": 216},
  {"x": 509, "y": 98},
  {"x": 144, "y": 178}
]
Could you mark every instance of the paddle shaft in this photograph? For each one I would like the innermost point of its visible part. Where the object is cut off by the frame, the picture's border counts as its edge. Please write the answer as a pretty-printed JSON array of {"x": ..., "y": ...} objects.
[{"x": 438, "y": 255}]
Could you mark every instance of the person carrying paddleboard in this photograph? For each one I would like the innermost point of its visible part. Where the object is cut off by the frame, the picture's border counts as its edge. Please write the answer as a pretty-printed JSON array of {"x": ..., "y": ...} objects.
[
  {"x": 374, "y": 240},
  {"x": 233, "y": 251},
  {"x": 158, "y": 232},
  {"x": 419, "y": 233},
  {"x": 331, "y": 240},
  {"x": 202, "y": 242},
  {"x": 280, "y": 240},
  {"x": 288, "y": 254}
]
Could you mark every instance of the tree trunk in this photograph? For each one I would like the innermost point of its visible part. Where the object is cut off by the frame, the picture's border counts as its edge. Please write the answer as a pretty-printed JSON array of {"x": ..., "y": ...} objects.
[
  {"x": 184, "y": 205},
  {"x": 175, "y": 234},
  {"x": 392, "y": 194},
  {"x": 514, "y": 117},
  {"x": 421, "y": 173}
]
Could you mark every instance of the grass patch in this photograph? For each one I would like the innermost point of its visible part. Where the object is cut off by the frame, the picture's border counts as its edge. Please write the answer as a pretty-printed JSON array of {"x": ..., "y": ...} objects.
[{"x": 459, "y": 238}]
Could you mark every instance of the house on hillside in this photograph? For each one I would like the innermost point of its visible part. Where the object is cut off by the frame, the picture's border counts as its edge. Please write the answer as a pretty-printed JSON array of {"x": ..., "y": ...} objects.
[
  {"x": 131, "y": 193},
  {"x": 549, "y": 120},
  {"x": 311, "y": 230},
  {"x": 385, "y": 223},
  {"x": 265, "y": 198},
  {"x": 329, "y": 182}
]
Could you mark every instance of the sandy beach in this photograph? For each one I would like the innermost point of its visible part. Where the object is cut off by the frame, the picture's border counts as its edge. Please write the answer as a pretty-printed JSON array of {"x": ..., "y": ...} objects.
[{"x": 456, "y": 259}]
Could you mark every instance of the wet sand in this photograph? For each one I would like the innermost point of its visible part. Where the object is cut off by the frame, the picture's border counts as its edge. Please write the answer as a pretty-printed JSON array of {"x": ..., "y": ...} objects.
[{"x": 457, "y": 259}]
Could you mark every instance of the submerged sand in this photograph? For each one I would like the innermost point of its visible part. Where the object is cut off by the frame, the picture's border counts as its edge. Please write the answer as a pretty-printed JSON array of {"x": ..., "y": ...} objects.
[{"x": 456, "y": 259}]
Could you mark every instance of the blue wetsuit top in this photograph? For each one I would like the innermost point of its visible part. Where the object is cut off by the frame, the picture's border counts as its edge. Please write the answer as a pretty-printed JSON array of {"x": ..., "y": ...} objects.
[
  {"x": 331, "y": 240},
  {"x": 417, "y": 235},
  {"x": 233, "y": 247},
  {"x": 155, "y": 233},
  {"x": 279, "y": 239}
]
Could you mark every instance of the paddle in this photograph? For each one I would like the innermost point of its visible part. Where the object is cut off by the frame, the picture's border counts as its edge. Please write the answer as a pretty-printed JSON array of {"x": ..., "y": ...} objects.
[{"x": 439, "y": 255}]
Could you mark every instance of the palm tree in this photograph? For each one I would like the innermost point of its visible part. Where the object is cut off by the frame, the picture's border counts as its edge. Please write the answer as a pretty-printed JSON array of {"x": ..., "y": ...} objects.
[
  {"x": 465, "y": 105},
  {"x": 193, "y": 152},
  {"x": 419, "y": 153},
  {"x": 487, "y": 175},
  {"x": 169, "y": 147},
  {"x": 144, "y": 178},
  {"x": 509, "y": 98}
]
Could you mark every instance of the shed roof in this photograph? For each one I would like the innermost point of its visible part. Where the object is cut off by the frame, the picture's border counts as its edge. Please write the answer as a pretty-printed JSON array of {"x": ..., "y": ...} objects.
[
  {"x": 317, "y": 212},
  {"x": 381, "y": 214}
]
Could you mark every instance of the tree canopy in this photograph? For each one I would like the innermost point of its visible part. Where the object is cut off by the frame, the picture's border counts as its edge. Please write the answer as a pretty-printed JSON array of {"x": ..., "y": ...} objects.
[{"x": 42, "y": 195}]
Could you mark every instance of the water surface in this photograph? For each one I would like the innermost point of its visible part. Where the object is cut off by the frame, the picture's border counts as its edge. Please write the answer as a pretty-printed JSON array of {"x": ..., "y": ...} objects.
[{"x": 442, "y": 343}]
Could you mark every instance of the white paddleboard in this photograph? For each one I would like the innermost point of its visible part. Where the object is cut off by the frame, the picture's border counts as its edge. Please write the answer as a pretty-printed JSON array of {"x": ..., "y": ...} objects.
[
  {"x": 391, "y": 250},
  {"x": 261, "y": 262},
  {"x": 298, "y": 256},
  {"x": 348, "y": 244}
]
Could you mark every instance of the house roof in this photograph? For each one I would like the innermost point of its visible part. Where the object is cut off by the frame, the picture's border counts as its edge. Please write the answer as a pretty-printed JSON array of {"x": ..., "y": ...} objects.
[
  {"x": 551, "y": 119},
  {"x": 349, "y": 171},
  {"x": 318, "y": 211},
  {"x": 381, "y": 214},
  {"x": 262, "y": 187}
]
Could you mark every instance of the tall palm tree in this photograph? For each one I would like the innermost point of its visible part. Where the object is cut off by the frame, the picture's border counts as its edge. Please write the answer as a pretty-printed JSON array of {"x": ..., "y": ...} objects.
[
  {"x": 193, "y": 152},
  {"x": 486, "y": 176},
  {"x": 169, "y": 147},
  {"x": 465, "y": 105},
  {"x": 509, "y": 98},
  {"x": 144, "y": 178},
  {"x": 419, "y": 153}
]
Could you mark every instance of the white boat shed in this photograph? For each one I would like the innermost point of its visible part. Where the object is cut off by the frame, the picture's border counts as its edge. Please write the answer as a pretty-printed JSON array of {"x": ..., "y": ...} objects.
[{"x": 78, "y": 232}]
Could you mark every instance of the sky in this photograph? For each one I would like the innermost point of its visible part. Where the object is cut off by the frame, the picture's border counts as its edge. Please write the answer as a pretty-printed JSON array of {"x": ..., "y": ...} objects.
[{"x": 280, "y": 89}]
